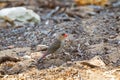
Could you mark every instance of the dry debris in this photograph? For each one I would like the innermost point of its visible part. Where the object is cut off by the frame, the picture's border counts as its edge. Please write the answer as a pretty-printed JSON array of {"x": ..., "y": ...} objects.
[{"x": 90, "y": 53}]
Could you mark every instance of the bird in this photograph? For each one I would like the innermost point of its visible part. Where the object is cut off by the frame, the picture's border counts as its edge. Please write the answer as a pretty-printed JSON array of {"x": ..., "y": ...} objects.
[{"x": 55, "y": 46}]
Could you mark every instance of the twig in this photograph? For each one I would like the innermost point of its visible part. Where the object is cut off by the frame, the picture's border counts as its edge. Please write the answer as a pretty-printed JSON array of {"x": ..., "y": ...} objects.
[{"x": 80, "y": 52}]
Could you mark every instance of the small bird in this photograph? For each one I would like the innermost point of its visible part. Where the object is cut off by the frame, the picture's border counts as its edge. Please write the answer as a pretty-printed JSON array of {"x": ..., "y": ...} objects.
[{"x": 56, "y": 45}]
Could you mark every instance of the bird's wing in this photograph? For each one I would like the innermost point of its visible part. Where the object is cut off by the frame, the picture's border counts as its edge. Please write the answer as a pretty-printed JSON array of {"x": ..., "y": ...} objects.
[{"x": 54, "y": 47}]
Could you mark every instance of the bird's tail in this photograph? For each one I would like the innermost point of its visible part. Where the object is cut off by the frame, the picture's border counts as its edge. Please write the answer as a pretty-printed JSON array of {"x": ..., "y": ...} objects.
[{"x": 40, "y": 59}]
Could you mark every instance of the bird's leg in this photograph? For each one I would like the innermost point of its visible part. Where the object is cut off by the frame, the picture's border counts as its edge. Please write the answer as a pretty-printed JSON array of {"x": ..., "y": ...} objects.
[{"x": 41, "y": 59}]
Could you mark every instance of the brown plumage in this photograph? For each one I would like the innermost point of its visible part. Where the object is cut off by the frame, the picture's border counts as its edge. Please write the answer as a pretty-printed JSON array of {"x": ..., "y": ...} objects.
[{"x": 54, "y": 47}]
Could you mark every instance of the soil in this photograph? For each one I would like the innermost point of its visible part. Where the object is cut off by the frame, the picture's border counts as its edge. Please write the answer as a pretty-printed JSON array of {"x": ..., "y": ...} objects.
[{"x": 96, "y": 33}]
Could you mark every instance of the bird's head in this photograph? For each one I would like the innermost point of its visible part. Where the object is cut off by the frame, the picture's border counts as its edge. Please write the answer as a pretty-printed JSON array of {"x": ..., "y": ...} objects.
[{"x": 62, "y": 36}]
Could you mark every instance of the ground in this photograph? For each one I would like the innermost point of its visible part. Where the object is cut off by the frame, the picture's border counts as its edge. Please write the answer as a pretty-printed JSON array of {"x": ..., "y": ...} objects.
[{"x": 94, "y": 32}]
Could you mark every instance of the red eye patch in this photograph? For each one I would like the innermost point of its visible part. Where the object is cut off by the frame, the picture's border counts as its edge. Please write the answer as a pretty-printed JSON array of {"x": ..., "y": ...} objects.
[{"x": 65, "y": 35}]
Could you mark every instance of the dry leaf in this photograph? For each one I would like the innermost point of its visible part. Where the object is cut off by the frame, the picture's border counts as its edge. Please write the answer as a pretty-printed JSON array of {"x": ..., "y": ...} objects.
[
  {"x": 2, "y": 4},
  {"x": 95, "y": 2}
]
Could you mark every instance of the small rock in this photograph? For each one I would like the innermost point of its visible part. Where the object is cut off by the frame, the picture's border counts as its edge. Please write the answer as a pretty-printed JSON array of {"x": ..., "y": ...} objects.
[
  {"x": 36, "y": 55},
  {"x": 10, "y": 47},
  {"x": 41, "y": 47},
  {"x": 26, "y": 57},
  {"x": 20, "y": 16},
  {"x": 95, "y": 62},
  {"x": 117, "y": 4},
  {"x": 119, "y": 42}
]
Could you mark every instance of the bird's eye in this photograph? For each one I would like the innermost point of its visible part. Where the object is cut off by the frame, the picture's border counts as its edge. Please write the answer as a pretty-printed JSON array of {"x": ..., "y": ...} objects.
[{"x": 63, "y": 34}]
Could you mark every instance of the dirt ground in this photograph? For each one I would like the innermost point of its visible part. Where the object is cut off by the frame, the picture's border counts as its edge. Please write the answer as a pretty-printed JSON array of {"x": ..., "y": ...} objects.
[{"x": 94, "y": 32}]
